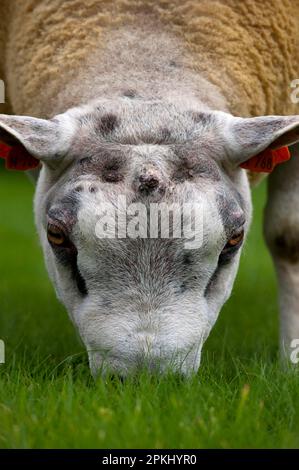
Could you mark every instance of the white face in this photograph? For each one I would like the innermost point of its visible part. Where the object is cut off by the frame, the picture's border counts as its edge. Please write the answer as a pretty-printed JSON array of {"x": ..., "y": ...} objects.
[
  {"x": 142, "y": 301},
  {"x": 138, "y": 299},
  {"x": 149, "y": 301}
]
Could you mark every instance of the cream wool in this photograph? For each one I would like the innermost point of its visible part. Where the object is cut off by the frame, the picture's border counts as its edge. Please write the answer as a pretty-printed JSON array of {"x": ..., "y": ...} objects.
[{"x": 248, "y": 49}]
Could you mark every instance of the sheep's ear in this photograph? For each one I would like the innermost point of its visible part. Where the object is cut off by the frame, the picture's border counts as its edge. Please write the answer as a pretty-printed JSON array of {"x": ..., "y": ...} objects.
[
  {"x": 45, "y": 140},
  {"x": 247, "y": 137}
]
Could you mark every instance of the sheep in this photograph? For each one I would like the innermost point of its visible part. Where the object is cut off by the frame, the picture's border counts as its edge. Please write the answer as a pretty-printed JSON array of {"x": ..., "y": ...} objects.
[{"x": 157, "y": 102}]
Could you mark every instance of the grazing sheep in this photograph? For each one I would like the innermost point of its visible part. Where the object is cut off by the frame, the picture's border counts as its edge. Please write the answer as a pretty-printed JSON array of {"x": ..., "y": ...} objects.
[{"x": 135, "y": 103}]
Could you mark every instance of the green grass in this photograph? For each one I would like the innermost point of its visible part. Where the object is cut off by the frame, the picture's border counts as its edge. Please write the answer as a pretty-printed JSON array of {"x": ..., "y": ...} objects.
[{"x": 240, "y": 398}]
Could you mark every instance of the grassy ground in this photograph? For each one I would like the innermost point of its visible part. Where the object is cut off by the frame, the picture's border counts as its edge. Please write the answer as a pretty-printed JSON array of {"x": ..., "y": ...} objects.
[{"x": 241, "y": 397}]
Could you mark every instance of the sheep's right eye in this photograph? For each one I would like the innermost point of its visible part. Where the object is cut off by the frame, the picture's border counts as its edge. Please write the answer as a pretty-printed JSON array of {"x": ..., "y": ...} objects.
[
  {"x": 235, "y": 240},
  {"x": 56, "y": 236},
  {"x": 232, "y": 246}
]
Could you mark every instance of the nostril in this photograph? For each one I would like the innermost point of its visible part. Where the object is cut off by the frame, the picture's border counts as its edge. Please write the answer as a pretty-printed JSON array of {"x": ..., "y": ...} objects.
[{"x": 148, "y": 182}]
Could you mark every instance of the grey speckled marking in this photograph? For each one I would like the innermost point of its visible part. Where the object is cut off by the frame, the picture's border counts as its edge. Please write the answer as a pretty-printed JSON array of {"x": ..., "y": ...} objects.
[
  {"x": 130, "y": 93},
  {"x": 64, "y": 210},
  {"x": 230, "y": 212},
  {"x": 107, "y": 123},
  {"x": 205, "y": 119},
  {"x": 109, "y": 165},
  {"x": 192, "y": 165}
]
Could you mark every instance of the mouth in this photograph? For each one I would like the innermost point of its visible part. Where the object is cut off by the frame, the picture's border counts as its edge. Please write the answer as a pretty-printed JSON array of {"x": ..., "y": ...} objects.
[{"x": 183, "y": 363}]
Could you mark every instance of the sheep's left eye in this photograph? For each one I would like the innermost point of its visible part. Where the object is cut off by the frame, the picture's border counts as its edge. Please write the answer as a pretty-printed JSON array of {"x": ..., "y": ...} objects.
[
  {"x": 233, "y": 243},
  {"x": 231, "y": 246},
  {"x": 56, "y": 235},
  {"x": 235, "y": 240}
]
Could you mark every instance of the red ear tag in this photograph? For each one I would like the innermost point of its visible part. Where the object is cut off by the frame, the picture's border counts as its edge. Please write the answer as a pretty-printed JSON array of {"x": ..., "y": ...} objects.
[
  {"x": 4, "y": 150},
  {"x": 17, "y": 158},
  {"x": 266, "y": 161}
]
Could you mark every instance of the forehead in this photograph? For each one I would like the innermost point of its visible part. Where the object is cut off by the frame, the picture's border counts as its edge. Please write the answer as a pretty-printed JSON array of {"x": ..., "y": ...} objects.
[
  {"x": 135, "y": 121},
  {"x": 121, "y": 133},
  {"x": 119, "y": 141}
]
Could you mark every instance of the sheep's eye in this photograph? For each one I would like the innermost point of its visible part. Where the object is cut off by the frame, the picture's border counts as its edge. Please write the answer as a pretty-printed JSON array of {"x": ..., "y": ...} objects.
[
  {"x": 231, "y": 247},
  {"x": 235, "y": 240},
  {"x": 56, "y": 235}
]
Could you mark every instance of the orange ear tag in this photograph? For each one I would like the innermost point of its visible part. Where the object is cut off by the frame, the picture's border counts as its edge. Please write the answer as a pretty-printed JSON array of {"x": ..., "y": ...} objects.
[
  {"x": 17, "y": 158},
  {"x": 266, "y": 161}
]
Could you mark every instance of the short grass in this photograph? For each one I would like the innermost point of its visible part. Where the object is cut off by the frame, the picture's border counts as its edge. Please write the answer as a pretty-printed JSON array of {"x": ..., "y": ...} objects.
[{"x": 240, "y": 398}]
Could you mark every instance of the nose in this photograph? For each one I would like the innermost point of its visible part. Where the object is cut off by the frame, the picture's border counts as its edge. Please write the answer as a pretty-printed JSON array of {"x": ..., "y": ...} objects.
[{"x": 150, "y": 181}]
